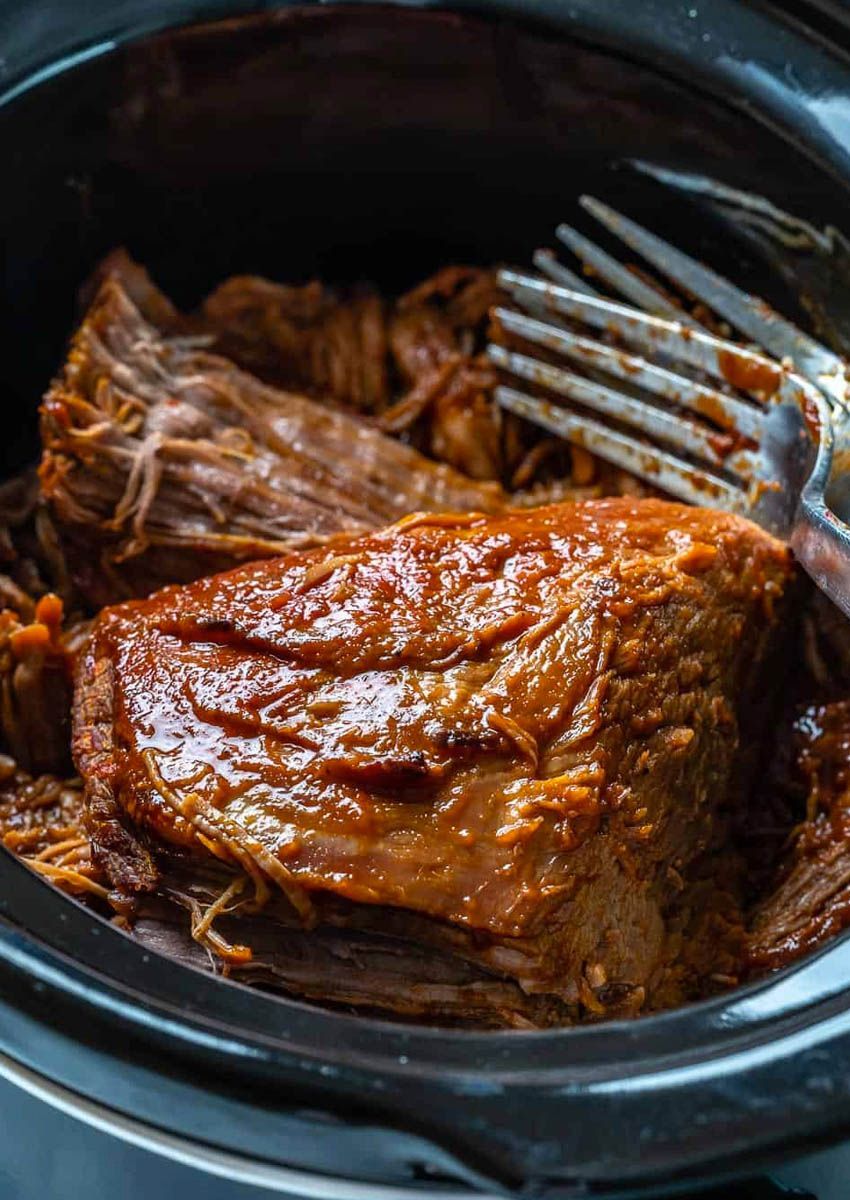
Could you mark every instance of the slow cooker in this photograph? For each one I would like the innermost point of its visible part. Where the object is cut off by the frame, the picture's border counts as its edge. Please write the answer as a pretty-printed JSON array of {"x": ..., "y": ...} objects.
[{"x": 309, "y": 139}]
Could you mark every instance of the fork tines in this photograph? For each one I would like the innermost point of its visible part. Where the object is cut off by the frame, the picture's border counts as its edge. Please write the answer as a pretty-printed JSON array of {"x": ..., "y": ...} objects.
[{"x": 709, "y": 452}]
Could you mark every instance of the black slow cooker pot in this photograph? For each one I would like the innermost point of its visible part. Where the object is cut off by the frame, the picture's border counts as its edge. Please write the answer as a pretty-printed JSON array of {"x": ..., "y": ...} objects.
[{"x": 342, "y": 140}]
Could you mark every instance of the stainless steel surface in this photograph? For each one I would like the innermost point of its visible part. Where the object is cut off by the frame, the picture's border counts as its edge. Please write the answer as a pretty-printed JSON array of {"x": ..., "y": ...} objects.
[
  {"x": 776, "y": 467},
  {"x": 749, "y": 314},
  {"x": 618, "y": 277}
]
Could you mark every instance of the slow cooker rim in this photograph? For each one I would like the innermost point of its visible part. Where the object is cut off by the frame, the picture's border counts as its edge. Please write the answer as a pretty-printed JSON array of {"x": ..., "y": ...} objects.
[
  {"x": 799, "y": 996},
  {"x": 717, "y": 51},
  {"x": 606, "y": 27},
  {"x": 401, "y": 1084},
  {"x": 208, "y": 1159},
  {"x": 716, "y": 1017},
  {"x": 35, "y": 975}
]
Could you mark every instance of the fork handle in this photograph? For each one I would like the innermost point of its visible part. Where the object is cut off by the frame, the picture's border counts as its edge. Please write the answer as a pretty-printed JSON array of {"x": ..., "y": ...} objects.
[
  {"x": 821, "y": 542},
  {"x": 821, "y": 536}
]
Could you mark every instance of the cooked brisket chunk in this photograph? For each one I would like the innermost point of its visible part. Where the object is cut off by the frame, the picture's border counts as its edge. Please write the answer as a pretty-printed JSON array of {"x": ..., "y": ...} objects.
[
  {"x": 514, "y": 738},
  {"x": 449, "y": 386},
  {"x": 809, "y": 900},
  {"x": 356, "y": 350},
  {"x": 304, "y": 338},
  {"x": 416, "y": 363},
  {"x": 162, "y": 462}
]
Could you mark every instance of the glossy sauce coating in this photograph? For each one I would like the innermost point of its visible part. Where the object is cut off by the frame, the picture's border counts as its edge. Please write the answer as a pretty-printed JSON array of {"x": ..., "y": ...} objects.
[{"x": 477, "y": 718}]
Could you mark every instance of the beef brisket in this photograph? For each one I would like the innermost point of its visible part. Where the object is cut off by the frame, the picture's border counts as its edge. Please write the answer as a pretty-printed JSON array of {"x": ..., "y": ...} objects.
[
  {"x": 808, "y": 901},
  {"x": 415, "y": 363},
  {"x": 511, "y": 738},
  {"x": 162, "y": 462},
  {"x": 303, "y": 338}
]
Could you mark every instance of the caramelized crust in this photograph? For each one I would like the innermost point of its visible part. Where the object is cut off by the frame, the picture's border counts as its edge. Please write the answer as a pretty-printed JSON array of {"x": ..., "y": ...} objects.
[{"x": 523, "y": 726}]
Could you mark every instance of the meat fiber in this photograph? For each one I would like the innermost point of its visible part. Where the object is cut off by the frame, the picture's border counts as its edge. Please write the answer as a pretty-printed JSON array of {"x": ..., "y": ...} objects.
[
  {"x": 513, "y": 738},
  {"x": 41, "y": 820},
  {"x": 809, "y": 900},
  {"x": 416, "y": 361},
  {"x": 163, "y": 463},
  {"x": 304, "y": 338}
]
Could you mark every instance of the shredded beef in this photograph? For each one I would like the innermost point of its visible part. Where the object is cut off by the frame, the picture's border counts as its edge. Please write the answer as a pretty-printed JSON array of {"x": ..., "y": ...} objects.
[{"x": 163, "y": 462}]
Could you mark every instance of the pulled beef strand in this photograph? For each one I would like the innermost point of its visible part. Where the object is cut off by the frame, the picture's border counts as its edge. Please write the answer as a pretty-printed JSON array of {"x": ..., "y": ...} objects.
[
  {"x": 42, "y": 822},
  {"x": 163, "y": 463}
]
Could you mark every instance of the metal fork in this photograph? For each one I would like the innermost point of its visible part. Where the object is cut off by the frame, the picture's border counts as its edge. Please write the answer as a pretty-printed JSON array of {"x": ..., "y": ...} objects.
[{"x": 764, "y": 449}]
